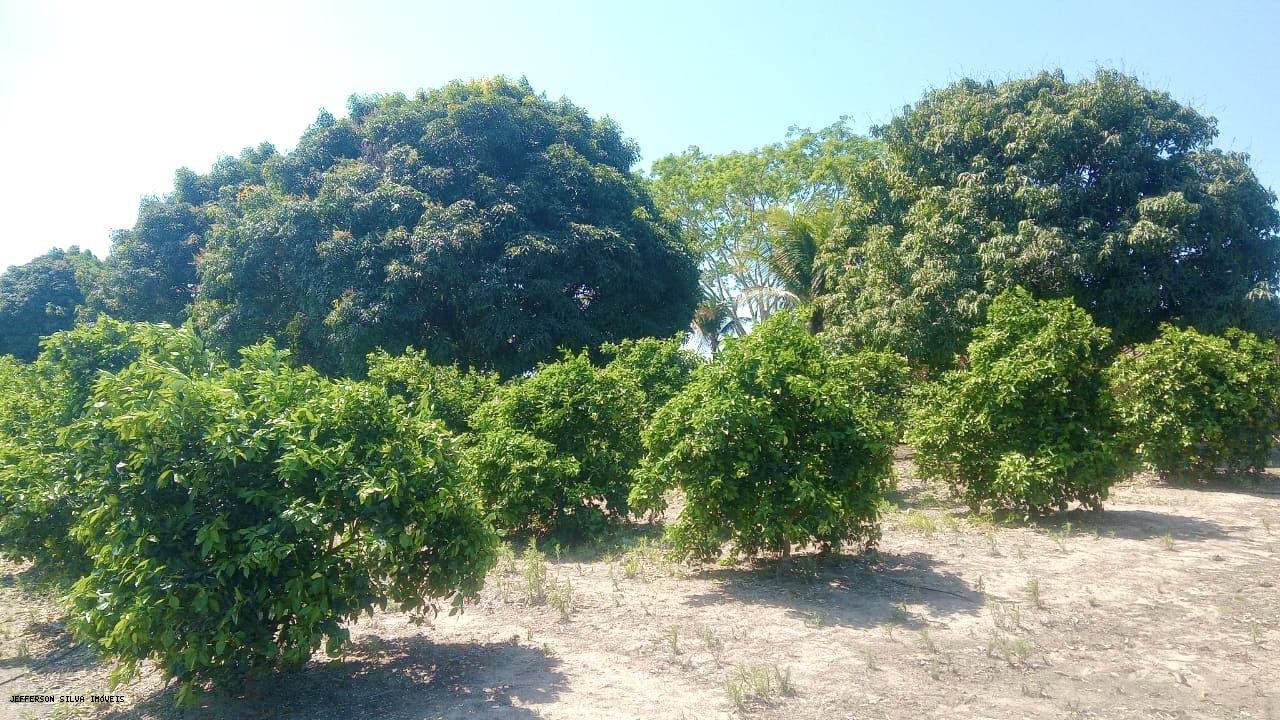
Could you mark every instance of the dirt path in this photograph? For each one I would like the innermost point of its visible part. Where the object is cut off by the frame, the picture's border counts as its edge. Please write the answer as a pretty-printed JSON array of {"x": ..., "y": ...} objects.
[{"x": 1166, "y": 605}]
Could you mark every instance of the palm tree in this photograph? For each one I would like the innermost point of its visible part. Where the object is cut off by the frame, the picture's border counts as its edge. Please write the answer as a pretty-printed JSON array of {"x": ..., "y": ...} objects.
[
  {"x": 713, "y": 319},
  {"x": 793, "y": 261}
]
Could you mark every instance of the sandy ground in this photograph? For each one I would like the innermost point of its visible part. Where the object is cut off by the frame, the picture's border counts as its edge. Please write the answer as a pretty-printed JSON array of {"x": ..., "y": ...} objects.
[{"x": 1166, "y": 605}]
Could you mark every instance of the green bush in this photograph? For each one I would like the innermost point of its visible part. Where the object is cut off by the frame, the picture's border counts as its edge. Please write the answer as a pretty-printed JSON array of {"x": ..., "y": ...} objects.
[
  {"x": 773, "y": 444},
  {"x": 661, "y": 367},
  {"x": 39, "y": 488},
  {"x": 554, "y": 453},
  {"x": 238, "y": 518},
  {"x": 17, "y": 395},
  {"x": 1029, "y": 424},
  {"x": 445, "y": 392},
  {"x": 882, "y": 380},
  {"x": 1192, "y": 402}
]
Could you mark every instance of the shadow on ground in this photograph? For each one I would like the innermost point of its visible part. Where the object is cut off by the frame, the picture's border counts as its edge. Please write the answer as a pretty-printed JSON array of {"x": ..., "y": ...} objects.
[
  {"x": 401, "y": 679},
  {"x": 1121, "y": 523},
  {"x": 1264, "y": 484},
  {"x": 1137, "y": 525},
  {"x": 869, "y": 590}
]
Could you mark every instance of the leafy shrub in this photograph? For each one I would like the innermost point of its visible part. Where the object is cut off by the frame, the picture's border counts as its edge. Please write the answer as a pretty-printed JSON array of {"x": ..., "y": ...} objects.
[
  {"x": 39, "y": 486},
  {"x": 238, "y": 518},
  {"x": 16, "y": 396},
  {"x": 70, "y": 361},
  {"x": 772, "y": 444},
  {"x": 881, "y": 379},
  {"x": 554, "y": 453},
  {"x": 1028, "y": 425},
  {"x": 445, "y": 392},
  {"x": 1193, "y": 402},
  {"x": 661, "y": 367}
]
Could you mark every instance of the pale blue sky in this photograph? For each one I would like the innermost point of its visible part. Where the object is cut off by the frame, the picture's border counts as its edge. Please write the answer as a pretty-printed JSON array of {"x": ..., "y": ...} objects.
[{"x": 101, "y": 102}]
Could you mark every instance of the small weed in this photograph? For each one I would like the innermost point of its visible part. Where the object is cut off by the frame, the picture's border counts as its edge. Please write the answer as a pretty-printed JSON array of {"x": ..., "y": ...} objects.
[
  {"x": 900, "y": 615},
  {"x": 869, "y": 656},
  {"x": 1166, "y": 541},
  {"x": 782, "y": 678},
  {"x": 506, "y": 559},
  {"x": 816, "y": 618},
  {"x": 711, "y": 641},
  {"x": 935, "y": 668},
  {"x": 1006, "y": 616},
  {"x": 1014, "y": 651},
  {"x": 1061, "y": 534},
  {"x": 533, "y": 574},
  {"x": 736, "y": 694},
  {"x": 919, "y": 522},
  {"x": 992, "y": 548},
  {"x": 1033, "y": 592},
  {"x": 560, "y": 597},
  {"x": 1093, "y": 601},
  {"x": 1255, "y": 632},
  {"x": 631, "y": 565},
  {"x": 927, "y": 642},
  {"x": 757, "y": 684},
  {"x": 65, "y": 711},
  {"x": 21, "y": 650},
  {"x": 672, "y": 636},
  {"x": 983, "y": 518}
]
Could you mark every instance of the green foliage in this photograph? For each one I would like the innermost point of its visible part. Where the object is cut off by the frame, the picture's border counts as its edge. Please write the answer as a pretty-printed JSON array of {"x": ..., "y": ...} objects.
[
  {"x": 554, "y": 452},
  {"x": 236, "y": 518},
  {"x": 16, "y": 397},
  {"x": 882, "y": 380},
  {"x": 70, "y": 362},
  {"x": 1029, "y": 424},
  {"x": 445, "y": 392},
  {"x": 1194, "y": 402},
  {"x": 752, "y": 216},
  {"x": 151, "y": 271},
  {"x": 40, "y": 488},
  {"x": 772, "y": 444},
  {"x": 659, "y": 367},
  {"x": 42, "y": 297},
  {"x": 1101, "y": 190},
  {"x": 480, "y": 223}
]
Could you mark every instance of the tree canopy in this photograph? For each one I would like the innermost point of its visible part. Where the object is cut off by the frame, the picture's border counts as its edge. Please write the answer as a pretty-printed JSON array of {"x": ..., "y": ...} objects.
[
  {"x": 151, "y": 271},
  {"x": 42, "y": 297},
  {"x": 1101, "y": 190},
  {"x": 479, "y": 222},
  {"x": 748, "y": 213}
]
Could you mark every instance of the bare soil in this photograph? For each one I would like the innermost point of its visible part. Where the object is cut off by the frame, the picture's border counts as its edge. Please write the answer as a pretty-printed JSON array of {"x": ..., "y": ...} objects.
[{"x": 1166, "y": 605}]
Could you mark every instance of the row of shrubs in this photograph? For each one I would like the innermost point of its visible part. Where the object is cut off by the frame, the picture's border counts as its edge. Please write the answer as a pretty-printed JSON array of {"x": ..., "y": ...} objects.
[{"x": 226, "y": 519}]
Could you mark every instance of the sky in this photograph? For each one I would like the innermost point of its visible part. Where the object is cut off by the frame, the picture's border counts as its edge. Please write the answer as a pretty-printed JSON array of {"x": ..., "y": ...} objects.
[{"x": 101, "y": 102}]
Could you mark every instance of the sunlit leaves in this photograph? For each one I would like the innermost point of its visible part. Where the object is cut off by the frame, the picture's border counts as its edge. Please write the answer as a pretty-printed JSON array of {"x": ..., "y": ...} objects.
[
  {"x": 774, "y": 443},
  {"x": 233, "y": 519},
  {"x": 1100, "y": 190},
  {"x": 1028, "y": 424},
  {"x": 1195, "y": 402}
]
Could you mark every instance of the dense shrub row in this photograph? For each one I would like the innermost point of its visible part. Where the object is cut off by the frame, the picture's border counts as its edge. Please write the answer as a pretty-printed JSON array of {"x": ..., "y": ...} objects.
[{"x": 223, "y": 519}]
